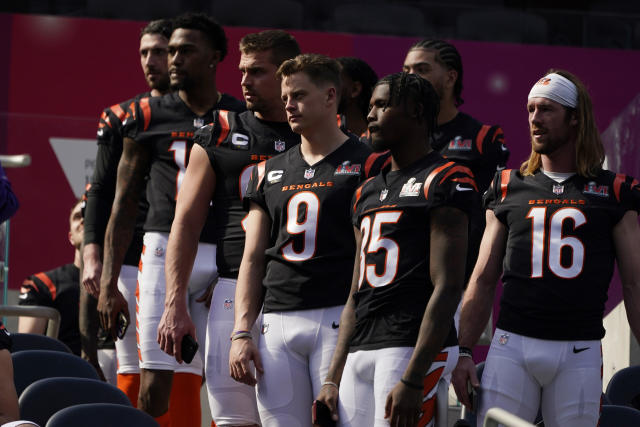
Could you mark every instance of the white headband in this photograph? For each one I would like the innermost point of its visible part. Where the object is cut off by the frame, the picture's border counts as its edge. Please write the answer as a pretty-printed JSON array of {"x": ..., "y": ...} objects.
[{"x": 556, "y": 88}]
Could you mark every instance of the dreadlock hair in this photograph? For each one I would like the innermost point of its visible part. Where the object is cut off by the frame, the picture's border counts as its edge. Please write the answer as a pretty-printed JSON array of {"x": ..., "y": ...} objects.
[
  {"x": 405, "y": 87},
  {"x": 162, "y": 27},
  {"x": 589, "y": 148},
  {"x": 212, "y": 31},
  {"x": 360, "y": 71},
  {"x": 448, "y": 56}
]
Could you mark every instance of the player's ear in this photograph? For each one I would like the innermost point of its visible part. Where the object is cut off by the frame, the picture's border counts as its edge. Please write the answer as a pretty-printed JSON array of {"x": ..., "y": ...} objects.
[
  {"x": 356, "y": 89},
  {"x": 452, "y": 77},
  {"x": 70, "y": 239},
  {"x": 215, "y": 58},
  {"x": 331, "y": 94}
]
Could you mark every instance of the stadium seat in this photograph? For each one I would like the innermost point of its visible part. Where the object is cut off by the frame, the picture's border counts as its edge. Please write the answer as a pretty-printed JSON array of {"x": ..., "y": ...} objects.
[
  {"x": 502, "y": 26},
  {"x": 380, "y": 18},
  {"x": 101, "y": 415},
  {"x": 619, "y": 416},
  {"x": 257, "y": 13},
  {"x": 624, "y": 387},
  {"x": 23, "y": 342},
  {"x": 45, "y": 397},
  {"x": 32, "y": 365},
  {"x": 608, "y": 32}
]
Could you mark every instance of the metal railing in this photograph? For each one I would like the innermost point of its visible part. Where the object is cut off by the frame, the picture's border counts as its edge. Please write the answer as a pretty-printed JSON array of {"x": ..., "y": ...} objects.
[
  {"x": 49, "y": 313},
  {"x": 497, "y": 416}
]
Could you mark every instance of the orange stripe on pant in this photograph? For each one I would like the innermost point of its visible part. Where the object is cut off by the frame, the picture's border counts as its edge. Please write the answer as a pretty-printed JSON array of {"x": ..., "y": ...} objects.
[
  {"x": 130, "y": 385},
  {"x": 184, "y": 403}
]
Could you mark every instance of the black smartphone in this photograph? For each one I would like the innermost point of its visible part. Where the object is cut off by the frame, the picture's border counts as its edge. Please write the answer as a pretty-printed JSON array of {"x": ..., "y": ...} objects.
[
  {"x": 473, "y": 397},
  {"x": 189, "y": 348},
  {"x": 122, "y": 325},
  {"x": 322, "y": 415}
]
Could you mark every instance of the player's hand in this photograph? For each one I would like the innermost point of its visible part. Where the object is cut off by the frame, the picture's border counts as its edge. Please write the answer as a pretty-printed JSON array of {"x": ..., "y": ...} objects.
[
  {"x": 174, "y": 325},
  {"x": 402, "y": 408},
  {"x": 242, "y": 352},
  {"x": 92, "y": 269},
  {"x": 109, "y": 305},
  {"x": 464, "y": 372},
  {"x": 329, "y": 396}
]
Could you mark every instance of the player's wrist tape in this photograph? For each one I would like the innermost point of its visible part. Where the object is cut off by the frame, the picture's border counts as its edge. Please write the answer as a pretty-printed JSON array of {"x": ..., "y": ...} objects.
[
  {"x": 411, "y": 385},
  {"x": 332, "y": 384},
  {"x": 465, "y": 352},
  {"x": 236, "y": 335}
]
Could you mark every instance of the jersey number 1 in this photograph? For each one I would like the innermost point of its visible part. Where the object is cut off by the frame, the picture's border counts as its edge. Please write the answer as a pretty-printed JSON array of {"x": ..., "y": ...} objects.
[
  {"x": 555, "y": 241},
  {"x": 180, "y": 153}
]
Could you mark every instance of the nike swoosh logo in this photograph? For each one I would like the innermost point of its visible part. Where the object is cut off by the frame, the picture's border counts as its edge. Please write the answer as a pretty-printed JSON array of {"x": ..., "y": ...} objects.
[
  {"x": 459, "y": 188},
  {"x": 335, "y": 325},
  {"x": 503, "y": 148},
  {"x": 579, "y": 350}
]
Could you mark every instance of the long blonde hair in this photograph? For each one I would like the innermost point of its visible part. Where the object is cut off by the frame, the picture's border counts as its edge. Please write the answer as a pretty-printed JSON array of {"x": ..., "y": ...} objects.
[{"x": 589, "y": 148}]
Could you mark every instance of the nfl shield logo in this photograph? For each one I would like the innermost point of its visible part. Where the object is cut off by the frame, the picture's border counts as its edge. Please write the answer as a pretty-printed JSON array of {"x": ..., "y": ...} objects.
[
  {"x": 159, "y": 252},
  {"x": 265, "y": 328},
  {"x": 504, "y": 338},
  {"x": 383, "y": 194},
  {"x": 228, "y": 304},
  {"x": 308, "y": 173},
  {"x": 558, "y": 189},
  {"x": 280, "y": 146}
]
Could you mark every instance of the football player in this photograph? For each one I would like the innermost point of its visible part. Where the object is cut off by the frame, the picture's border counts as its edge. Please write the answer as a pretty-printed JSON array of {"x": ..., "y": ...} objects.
[
  {"x": 158, "y": 136},
  {"x": 299, "y": 248},
  {"x": 411, "y": 233},
  {"x": 153, "y": 59},
  {"x": 220, "y": 165},
  {"x": 554, "y": 229}
]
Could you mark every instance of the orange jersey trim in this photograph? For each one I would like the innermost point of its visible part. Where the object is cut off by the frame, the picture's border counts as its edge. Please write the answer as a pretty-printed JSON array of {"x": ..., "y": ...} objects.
[
  {"x": 461, "y": 169},
  {"x": 118, "y": 111},
  {"x": 432, "y": 176},
  {"x": 47, "y": 281},
  {"x": 617, "y": 183},
  {"x": 224, "y": 125},
  {"x": 371, "y": 160},
  {"x": 480, "y": 137},
  {"x": 146, "y": 112},
  {"x": 505, "y": 175},
  {"x": 359, "y": 194}
]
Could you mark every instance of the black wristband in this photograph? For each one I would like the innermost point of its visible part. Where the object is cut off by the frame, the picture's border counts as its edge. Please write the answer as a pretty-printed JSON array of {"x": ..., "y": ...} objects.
[
  {"x": 411, "y": 385},
  {"x": 465, "y": 350}
]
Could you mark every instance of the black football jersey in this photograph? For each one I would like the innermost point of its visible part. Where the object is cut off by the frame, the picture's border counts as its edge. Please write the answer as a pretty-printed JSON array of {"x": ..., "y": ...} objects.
[
  {"x": 5, "y": 338},
  {"x": 310, "y": 259},
  {"x": 102, "y": 190},
  {"x": 60, "y": 289},
  {"x": 167, "y": 126},
  {"x": 560, "y": 253},
  {"x": 481, "y": 148},
  {"x": 235, "y": 142},
  {"x": 392, "y": 212}
]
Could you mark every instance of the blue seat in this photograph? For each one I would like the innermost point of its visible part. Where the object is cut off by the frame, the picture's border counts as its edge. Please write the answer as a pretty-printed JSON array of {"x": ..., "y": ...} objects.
[
  {"x": 619, "y": 416},
  {"x": 45, "y": 397},
  {"x": 32, "y": 365},
  {"x": 23, "y": 342},
  {"x": 101, "y": 415},
  {"x": 624, "y": 387}
]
